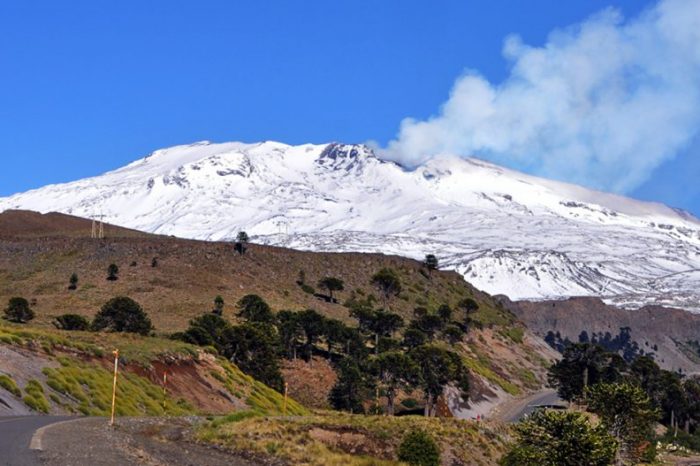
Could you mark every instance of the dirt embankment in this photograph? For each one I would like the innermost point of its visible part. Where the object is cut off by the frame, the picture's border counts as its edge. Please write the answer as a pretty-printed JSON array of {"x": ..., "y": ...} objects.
[{"x": 74, "y": 382}]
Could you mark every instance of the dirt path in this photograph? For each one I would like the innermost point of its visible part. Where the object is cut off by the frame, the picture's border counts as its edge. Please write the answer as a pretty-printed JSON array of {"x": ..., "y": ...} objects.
[{"x": 142, "y": 441}]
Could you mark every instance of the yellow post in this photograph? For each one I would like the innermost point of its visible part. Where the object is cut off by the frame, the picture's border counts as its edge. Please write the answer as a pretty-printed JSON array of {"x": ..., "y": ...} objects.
[
  {"x": 284, "y": 408},
  {"x": 165, "y": 382},
  {"x": 114, "y": 386}
]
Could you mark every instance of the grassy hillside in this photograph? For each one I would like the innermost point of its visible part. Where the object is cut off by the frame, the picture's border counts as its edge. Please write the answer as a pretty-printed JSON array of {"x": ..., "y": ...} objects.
[
  {"x": 38, "y": 254},
  {"x": 71, "y": 372},
  {"x": 37, "y": 265},
  {"x": 342, "y": 439}
]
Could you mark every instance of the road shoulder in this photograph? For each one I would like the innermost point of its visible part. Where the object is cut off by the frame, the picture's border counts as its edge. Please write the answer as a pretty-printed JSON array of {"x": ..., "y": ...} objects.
[{"x": 132, "y": 441}]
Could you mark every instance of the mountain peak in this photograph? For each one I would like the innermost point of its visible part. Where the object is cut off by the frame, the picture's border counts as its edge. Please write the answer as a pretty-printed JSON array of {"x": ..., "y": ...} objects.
[
  {"x": 505, "y": 231},
  {"x": 345, "y": 156}
]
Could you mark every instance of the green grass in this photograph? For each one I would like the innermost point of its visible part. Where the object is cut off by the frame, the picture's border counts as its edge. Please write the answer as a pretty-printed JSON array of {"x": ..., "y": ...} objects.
[
  {"x": 481, "y": 367},
  {"x": 8, "y": 384},
  {"x": 90, "y": 388},
  {"x": 35, "y": 397},
  {"x": 259, "y": 397},
  {"x": 132, "y": 348},
  {"x": 515, "y": 334}
]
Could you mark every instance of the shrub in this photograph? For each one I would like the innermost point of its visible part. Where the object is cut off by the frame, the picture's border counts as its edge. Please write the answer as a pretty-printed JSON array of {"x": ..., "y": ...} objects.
[
  {"x": 410, "y": 403},
  {"x": 122, "y": 314},
  {"x": 307, "y": 288},
  {"x": 419, "y": 449},
  {"x": 35, "y": 398},
  {"x": 550, "y": 437},
  {"x": 18, "y": 310},
  {"x": 71, "y": 322},
  {"x": 73, "y": 281},
  {"x": 112, "y": 272},
  {"x": 218, "y": 305},
  {"x": 8, "y": 384}
]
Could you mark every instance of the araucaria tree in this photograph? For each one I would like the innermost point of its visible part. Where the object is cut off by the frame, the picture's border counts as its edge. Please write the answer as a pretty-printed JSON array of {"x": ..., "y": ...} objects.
[
  {"x": 18, "y": 310},
  {"x": 387, "y": 282},
  {"x": 395, "y": 371},
  {"x": 583, "y": 365},
  {"x": 331, "y": 284},
  {"x": 73, "y": 282},
  {"x": 438, "y": 368},
  {"x": 468, "y": 306},
  {"x": 122, "y": 314},
  {"x": 254, "y": 309},
  {"x": 430, "y": 262},
  {"x": 626, "y": 412},
  {"x": 383, "y": 324},
  {"x": 251, "y": 347},
  {"x": 350, "y": 389},
  {"x": 112, "y": 272},
  {"x": 241, "y": 240},
  {"x": 560, "y": 438},
  {"x": 218, "y": 305},
  {"x": 290, "y": 332},
  {"x": 312, "y": 325}
]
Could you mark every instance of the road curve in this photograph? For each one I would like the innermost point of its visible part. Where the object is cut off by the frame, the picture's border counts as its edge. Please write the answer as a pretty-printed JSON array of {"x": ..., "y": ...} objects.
[
  {"x": 15, "y": 436},
  {"x": 514, "y": 410}
]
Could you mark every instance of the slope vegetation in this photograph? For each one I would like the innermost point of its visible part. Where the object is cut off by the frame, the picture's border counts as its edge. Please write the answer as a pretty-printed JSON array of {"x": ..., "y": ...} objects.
[{"x": 504, "y": 358}]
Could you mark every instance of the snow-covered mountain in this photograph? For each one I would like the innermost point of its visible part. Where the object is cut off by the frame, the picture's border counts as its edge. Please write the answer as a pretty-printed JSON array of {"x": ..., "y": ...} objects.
[{"x": 506, "y": 232}]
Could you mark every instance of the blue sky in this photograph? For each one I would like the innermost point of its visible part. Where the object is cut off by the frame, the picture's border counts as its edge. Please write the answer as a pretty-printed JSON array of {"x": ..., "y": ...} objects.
[{"x": 88, "y": 86}]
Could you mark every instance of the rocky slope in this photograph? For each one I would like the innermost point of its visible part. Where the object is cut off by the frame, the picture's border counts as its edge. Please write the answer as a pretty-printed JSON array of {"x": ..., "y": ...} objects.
[
  {"x": 504, "y": 231},
  {"x": 670, "y": 335}
]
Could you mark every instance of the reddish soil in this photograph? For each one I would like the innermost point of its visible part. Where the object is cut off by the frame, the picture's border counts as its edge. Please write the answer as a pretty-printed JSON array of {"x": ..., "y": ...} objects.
[{"x": 310, "y": 384}]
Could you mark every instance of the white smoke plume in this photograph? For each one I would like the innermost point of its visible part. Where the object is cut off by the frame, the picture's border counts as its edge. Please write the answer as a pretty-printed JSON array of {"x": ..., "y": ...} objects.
[{"x": 602, "y": 103}]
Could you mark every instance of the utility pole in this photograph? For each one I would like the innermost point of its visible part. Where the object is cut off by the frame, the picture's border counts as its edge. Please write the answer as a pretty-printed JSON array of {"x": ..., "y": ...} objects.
[{"x": 98, "y": 229}]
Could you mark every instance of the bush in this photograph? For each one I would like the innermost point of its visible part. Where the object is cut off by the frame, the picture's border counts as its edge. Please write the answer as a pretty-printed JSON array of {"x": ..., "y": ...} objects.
[
  {"x": 8, "y": 384},
  {"x": 561, "y": 438},
  {"x": 18, "y": 310},
  {"x": 73, "y": 281},
  {"x": 122, "y": 314},
  {"x": 307, "y": 288},
  {"x": 35, "y": 398},
  {"x": 419, "y": 449},
  {"x": 71, "y": 322},
  {"x": 112, "y": 272}
]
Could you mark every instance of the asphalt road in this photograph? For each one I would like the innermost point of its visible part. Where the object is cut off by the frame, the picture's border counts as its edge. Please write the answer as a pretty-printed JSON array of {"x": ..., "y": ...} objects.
[
  {"x": 546, "y": 398},
  {"x": 15, "y": 435},
  {"x": 514, "y": 410}
]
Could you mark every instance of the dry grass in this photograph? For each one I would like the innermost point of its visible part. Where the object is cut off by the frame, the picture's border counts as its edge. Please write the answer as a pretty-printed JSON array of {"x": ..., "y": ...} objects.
[
  {"x": 191, "y": 273},
  {"x": 328, "y": 438}
]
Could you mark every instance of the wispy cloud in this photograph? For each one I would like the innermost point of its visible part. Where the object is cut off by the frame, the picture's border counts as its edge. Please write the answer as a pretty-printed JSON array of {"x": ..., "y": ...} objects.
[{"x": 602, "y": 103}]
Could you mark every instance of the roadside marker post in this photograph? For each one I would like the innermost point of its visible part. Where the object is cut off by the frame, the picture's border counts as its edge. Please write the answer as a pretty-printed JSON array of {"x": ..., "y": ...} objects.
[
  {"x": 165, "y": 383},
  {"x": 114, "y": 385}
]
